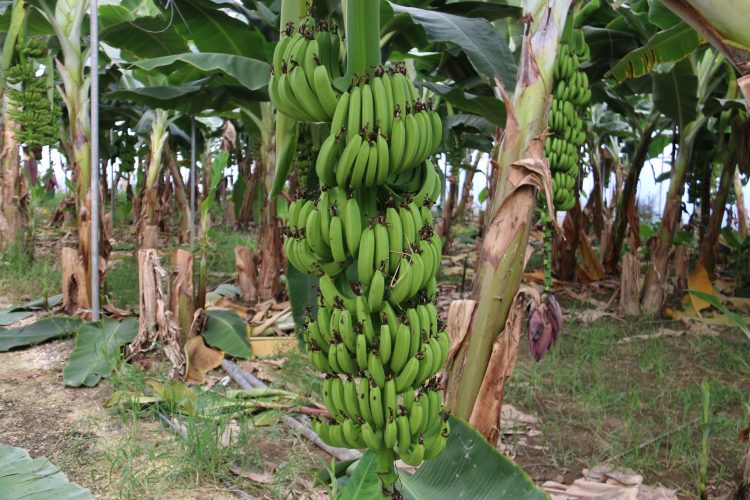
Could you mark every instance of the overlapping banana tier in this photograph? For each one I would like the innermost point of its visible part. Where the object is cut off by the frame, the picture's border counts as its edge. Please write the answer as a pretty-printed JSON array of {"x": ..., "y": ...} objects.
[
  {"x": 571, "y": 94},
  {"x": 384, "y": 328},
  {"x": 379, "y": 129}
]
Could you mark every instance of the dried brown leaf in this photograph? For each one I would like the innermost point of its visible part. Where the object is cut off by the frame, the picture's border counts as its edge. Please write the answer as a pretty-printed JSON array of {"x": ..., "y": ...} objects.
[{"x": 200, "y": 359}]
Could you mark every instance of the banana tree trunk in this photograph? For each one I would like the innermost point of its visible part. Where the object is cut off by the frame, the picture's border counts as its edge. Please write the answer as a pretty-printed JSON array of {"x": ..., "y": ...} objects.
[
  {"x": 597, "y": 198},
  {"x": 628, "y": 193},
  {"x": 565, "y": 245},
  {"x": 179, "y": 189},
  {"x": 741, "y": 208},
  {"x": 654, "y": 288},
  {"x": 445, "y": 227},
  {"x": 466, "y": 190},
  {"x": 705, "y": 205},
  {"x": 504, "y": 244},
  {"x": 736, "y": 144},
  {"x": 707, "y": 252}
]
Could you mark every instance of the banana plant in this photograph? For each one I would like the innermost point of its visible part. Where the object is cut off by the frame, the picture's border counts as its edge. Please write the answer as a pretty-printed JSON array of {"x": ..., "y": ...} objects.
[
  {"x": 159, "y": 136},
  {"x": 217, "y": 172},
  {"x": 684, "y": 94}
]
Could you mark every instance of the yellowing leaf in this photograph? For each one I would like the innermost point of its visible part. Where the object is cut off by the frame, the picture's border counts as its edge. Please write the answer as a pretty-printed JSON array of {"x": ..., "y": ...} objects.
[
  {"x": 200, "y": 359},
  {"x": 698, "y": 280}
]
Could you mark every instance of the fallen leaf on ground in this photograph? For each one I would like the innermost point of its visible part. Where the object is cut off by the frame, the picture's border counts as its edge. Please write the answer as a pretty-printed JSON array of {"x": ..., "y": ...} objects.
[
  {"x": 663, "y": 332},
  {"x": 698, "y": 280},
  {"x": 277, "y": 363},
  {"x": 591, "y": 315},
  {"x": 510, "y": 416},
  {"x": 258, "y": 475},
  {"x": 200, "y": 359}
]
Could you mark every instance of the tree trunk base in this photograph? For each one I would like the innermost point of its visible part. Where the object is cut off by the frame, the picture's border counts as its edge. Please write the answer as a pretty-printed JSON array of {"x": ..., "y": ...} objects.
[
  {"x": 181, "y": 293},
  {"x": 150, "y": 237},
  {"x": 247, "y": 275},
  {"x": 157, "y": 325},
  {"x": 74, "y": 282},
  {"x": 630, "y": 285},
  {"x": 229, "y": 215}
]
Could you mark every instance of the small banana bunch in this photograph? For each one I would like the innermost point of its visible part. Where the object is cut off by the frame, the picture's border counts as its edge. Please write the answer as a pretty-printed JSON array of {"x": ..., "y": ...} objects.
[
  {"x": 305, "y": 153},
  {"x": 305, "y": 63},
  {"x": 126, "y": 151},
  {"x": 37, "y": 120},
  {"x": 572, "y": 93},
  {"x": 34, "y": 48},
  {"x": 387, "y": 130}
]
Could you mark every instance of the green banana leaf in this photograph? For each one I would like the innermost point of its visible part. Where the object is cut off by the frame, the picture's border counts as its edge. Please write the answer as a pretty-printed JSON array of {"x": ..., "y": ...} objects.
[
  {"x": 144, "y": 38},
  {"x": 225, "y": 330},
  {"x": 97, "y": 349},
  {"x": 364, "y": 482},
  {"x": 301, "y": 290},
  {"x": 676, "y": 93},
  {"x": 223, "y": 290},
  {"x": 251, "y": 73},
  {"x": 36, "y": 23},
  {"x": 669, "y": 45},
  {"x": 480, "y": 40},
  {"x": 488, "y": 10},
  {"x": 714, "y": 301},
  {"x": 492, "y": 109},
  {"x": 469, "y": 468},
  {"x": 213, "y": 30},
  {"x": 661, "y": 16},
  {"x": 44, "y": 329},
  {"x": 467, "y": 121},
  {"x": 11, "y": 317},
  {"x": 37, "y": 479}
]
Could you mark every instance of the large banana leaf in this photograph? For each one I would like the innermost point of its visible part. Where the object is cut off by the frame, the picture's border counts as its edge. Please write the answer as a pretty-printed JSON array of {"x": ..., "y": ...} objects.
[
  {"x": 96, "y": 350},
  {"x": 44, "y": 329},
  {"x": 490, "y": 11},
  {"x": 482, "y": 43},
  {"x": 190, "y": 98},
  {"x": 36, "y": 23},
  {"x": 676, "y": 93},
  {"x": 144, "y": 38},
  {"x": 251, "y": 73},
  {"x": 225, "y": 330},
  {"x": 661, "y": 16},
  {"x": 669, "y": 45},
  {"x": 467, "y": 122},
  {"x": 489, "y": 107},
  {"x": 213, "y": 30},
  {"x": 301, "y": 290},
  {"x": 37, "y": 479},
  {"x": 364, "y": 482},
  {"x": 469, "y": 468}
]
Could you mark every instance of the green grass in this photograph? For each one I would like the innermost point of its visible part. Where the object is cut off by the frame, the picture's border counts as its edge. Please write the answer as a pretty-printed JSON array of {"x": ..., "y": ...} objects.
[
  {"x": 599, "y": 400},
  {"x": 22, "y": 280}
]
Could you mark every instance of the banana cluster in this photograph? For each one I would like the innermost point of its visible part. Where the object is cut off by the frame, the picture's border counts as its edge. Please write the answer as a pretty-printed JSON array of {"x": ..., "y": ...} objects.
[
  {"x": 125, "y": 145},
  {"x": 562, "y": 148},
  {"x": 385, "y": 328},
  {"x": 305, "y": 63},
  {"x": 305, "y": 153},
  {"x": 37, "y": 120},
  {"x": 380, "y": 128},
  {"x": 34, "y": 48}
]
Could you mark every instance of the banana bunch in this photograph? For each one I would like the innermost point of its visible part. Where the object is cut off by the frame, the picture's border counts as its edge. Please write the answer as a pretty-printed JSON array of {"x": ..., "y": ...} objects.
[
  {"x": 305, "y": 153},
  {"x": 563, "y": 147},
  {"x": 380, "y": 129},
  {"x": 37, "y": 120},
  {"x": 34, "y": 48},
  {"x": 305, "y": 63},
  {"x": 126, "y": 151},
  {"x": 385, "y": 328}
]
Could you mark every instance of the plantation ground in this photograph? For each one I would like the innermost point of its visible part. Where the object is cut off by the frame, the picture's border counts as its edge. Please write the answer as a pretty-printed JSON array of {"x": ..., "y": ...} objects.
[{"x": 596, "y": 400}]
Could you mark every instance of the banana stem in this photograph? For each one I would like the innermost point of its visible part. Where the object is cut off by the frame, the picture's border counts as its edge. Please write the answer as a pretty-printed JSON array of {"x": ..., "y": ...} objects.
[
  {"x": 362, "y": 39},
  {"x": 386, "y": 471}
]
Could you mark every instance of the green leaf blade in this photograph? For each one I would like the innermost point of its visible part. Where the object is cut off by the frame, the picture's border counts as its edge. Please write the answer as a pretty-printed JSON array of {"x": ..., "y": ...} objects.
[
  {"x": 40, "y": 331},
  {"x": 225, "y": 330},
  {"x": 671, "y": 45},
  {"x": 483, "y": 44}
]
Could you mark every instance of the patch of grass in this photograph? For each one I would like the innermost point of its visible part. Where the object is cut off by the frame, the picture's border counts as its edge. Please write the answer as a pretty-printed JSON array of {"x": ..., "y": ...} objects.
[
  {"x": 599, "y": 400},
  {"x": 122, "y": 282},
  {"x": 22, "y": 279}
]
